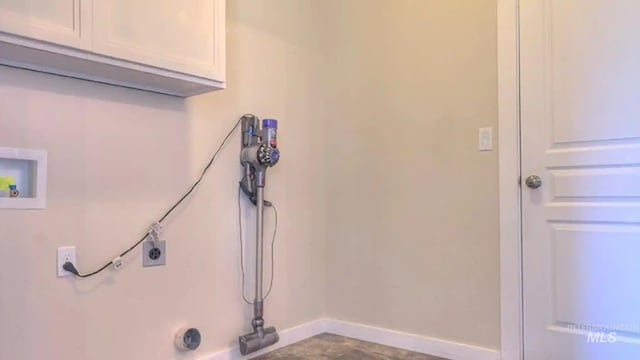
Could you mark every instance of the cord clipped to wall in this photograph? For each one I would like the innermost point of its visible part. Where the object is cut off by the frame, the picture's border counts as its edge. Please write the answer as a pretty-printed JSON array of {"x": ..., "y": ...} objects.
[
  {"x": 156, "y": 228},
  {"x": 117, "y": 263},
  {"x": 155, "y": 233}
]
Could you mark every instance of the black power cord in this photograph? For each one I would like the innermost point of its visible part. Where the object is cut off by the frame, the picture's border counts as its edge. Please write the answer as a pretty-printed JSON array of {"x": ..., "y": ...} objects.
[{"x": 70, "y": 267}]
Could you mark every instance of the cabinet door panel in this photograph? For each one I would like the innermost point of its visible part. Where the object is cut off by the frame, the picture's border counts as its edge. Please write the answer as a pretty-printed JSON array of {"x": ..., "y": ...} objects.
[
  {"x": 64, "y": 22},
  {"x": 184, "y": 36}
]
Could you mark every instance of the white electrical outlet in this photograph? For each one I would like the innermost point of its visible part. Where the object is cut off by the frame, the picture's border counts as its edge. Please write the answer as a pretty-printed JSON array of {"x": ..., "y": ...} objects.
[{"x": 66, "y": 254}]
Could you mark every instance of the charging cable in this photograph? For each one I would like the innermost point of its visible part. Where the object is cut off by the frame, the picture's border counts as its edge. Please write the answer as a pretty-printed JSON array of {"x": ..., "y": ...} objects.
[{"x": 117, "y": 261}]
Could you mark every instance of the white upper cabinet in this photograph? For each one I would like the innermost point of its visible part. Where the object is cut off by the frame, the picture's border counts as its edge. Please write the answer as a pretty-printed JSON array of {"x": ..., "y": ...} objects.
[
  {"x": 176, "y": 35},
  {"x": 56, "y": 21},
  {"x": 166, "y": 46}
]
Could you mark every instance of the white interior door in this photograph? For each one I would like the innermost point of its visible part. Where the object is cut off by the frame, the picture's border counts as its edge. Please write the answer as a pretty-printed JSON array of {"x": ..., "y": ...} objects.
[{"x": 580, "y": 83}]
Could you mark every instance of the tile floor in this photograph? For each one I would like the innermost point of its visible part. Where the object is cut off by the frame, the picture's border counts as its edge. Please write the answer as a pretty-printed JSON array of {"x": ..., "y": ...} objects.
[{"x": 334, "y": 347}]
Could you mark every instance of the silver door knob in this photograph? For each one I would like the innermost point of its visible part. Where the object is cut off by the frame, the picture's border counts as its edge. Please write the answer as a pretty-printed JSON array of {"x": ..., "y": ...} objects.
[{"x": 533, "y": 181}]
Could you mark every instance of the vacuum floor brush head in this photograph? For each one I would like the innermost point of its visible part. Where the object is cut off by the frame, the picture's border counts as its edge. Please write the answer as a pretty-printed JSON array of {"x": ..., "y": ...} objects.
[{"x": 258, "y": 340}]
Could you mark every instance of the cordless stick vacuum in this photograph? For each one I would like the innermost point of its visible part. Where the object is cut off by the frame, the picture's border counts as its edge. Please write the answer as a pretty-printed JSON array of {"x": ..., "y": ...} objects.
[{"x": 259, "y": 151}]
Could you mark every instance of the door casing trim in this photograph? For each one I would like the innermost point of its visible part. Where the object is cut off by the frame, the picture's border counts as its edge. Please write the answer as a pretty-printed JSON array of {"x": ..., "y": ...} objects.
[{"x": 511, "y": 283}]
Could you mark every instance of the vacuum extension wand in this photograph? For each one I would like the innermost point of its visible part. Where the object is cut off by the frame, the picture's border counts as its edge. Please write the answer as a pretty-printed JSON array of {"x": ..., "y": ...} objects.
[{"x": 259, "y": 151}]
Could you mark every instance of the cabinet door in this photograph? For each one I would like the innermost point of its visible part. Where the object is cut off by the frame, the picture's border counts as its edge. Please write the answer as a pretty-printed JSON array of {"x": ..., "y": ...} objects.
[
  {"x": 64, "y": 22},
  {"x": 184, "y": 36}
]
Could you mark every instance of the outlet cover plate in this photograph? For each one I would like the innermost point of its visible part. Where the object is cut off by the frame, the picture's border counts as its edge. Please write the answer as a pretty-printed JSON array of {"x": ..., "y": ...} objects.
[
  {"x": 65, "y": 253},
  {"x": 148, "y": 249},
  {"x": 485, "y": 139}
]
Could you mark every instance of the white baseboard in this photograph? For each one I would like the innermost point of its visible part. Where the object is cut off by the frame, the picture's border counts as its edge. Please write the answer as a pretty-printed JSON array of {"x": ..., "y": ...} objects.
[{"x": 422, "y": 344}]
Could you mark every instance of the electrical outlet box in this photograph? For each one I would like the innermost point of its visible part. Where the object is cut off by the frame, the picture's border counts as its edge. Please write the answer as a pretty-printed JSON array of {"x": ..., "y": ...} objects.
[
  {"x": 154, "y": 255},
  {"x": 66, "y": 254}
]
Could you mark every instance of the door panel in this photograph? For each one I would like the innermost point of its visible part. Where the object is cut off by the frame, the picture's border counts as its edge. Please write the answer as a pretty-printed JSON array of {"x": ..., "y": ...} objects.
[
  {"x": 591, "y": 48},
  {"x": 138, "y": 30},
  {"x": 58, "y": 13},
  {"x": 599, "y": 182},
  {"x": 585, "y": 286},
  {"x": 66, "y": 22},
  {"x": 580, "y": 118}
]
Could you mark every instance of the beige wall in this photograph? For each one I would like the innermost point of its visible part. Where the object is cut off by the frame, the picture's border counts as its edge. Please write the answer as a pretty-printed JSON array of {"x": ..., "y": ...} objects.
[
  {"x": 412, "y": 206},
  {"x": 379, "y": 103},
  {"x": 118, "y": 158}
]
